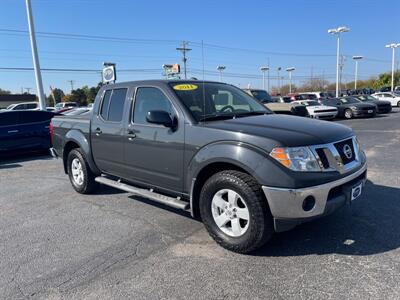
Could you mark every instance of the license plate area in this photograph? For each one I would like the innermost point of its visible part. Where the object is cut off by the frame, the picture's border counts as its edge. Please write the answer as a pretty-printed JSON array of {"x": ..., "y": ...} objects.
[{"x": 370, "y": 111}]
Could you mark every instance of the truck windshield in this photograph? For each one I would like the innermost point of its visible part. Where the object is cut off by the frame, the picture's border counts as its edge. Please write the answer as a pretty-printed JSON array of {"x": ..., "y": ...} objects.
[{"x": 213, "y": 101}]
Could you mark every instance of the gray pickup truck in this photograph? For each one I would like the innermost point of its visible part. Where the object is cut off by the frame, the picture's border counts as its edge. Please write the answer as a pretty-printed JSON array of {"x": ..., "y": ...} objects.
[{"x": 215, "y": 151}]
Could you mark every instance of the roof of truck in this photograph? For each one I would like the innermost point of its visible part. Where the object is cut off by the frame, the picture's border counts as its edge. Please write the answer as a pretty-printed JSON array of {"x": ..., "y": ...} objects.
[{"x": 160, "y": 82}]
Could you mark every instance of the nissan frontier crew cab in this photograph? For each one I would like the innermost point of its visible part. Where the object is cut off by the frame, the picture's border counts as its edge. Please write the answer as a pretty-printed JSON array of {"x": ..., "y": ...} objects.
[{"x": 215, "y": 151}]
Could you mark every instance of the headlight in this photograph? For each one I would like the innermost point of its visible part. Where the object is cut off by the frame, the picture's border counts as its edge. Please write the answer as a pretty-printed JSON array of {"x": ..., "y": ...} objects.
[{"x": 296, "y": 159}]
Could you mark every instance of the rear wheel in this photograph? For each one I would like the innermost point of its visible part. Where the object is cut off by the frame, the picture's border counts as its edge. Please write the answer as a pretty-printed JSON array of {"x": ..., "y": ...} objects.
[
  {"x": 80, "y": 175},
  {"x": 348, "y": 114},
  {"x": 234, "y": 211},
  {"x": 398, "y": 104}
]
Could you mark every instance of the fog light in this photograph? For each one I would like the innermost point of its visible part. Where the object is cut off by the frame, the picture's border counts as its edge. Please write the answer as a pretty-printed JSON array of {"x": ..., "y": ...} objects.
[{"x": 308, "y": 203}]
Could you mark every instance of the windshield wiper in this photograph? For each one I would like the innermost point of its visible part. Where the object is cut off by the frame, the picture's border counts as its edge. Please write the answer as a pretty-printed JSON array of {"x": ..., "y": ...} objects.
[
  {"x": 216, "y": 117},
  {"x": 251, "y": 113}
]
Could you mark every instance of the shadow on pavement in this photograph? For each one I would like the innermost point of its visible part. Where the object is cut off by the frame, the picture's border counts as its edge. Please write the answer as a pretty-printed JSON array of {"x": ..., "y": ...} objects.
[
  {"x": 13, "y": 158},
  {"x": 369, "y": 226}
]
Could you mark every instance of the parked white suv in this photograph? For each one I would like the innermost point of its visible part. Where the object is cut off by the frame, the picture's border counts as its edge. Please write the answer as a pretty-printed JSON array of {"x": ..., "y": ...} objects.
[
  {"x": 317, "y": 110},
  {"x": 393, "y": 98},
  {"x": 24, "y": 106}
]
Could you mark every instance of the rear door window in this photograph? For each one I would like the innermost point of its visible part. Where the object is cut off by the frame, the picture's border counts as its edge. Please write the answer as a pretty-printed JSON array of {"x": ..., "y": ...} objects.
[
  {"x": 8, "y": 118},
  {"x": 116, "y": 109},
  {"x": 112, "y": 107},
  {"x": 26, "y": 117}
]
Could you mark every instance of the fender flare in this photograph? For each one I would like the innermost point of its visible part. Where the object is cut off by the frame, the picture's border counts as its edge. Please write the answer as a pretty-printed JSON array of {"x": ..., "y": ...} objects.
[
  {"x": 79, "y": 138},
  {"x": 243, "y": 155}
]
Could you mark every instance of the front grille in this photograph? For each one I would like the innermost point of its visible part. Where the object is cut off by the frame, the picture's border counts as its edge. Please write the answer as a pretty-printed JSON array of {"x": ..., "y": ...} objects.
[
  {"x": 322, "y": 157},
  {"x": 325, "y": 110},
  {"x": 332, "y": 156},
  {"x": 368, "y": 108},
  {"x": 346, "y": 151},
  {"x": 300, "y": 110}
]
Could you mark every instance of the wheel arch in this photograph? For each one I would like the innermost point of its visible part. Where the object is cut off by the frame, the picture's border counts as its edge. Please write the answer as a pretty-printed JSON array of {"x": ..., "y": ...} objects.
[
  {"x": 76, "y": 139},
  {"x": 219, "y": 157}
]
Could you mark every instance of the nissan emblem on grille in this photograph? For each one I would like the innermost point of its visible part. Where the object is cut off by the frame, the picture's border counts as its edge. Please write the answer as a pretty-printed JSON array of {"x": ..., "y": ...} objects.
[{"x": 347, "y": 151}]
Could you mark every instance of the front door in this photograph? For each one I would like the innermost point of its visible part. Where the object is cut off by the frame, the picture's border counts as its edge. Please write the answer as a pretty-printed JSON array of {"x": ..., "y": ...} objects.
[
  {"x": 107, "y": 131},
  {"x": 154, "y": 153}
]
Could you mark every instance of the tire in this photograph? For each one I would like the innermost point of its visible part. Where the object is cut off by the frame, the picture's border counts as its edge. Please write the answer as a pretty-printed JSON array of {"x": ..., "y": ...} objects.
[
  {"x": 254, "y": 232},
  {"x": 348, "y": 114},
  {"x": 83, "y": 182},
  {"x": 398, "y": 104}
]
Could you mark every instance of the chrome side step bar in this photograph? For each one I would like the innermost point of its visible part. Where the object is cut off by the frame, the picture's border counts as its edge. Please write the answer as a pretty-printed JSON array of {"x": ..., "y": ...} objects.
[{"x": 169, "y": 201}]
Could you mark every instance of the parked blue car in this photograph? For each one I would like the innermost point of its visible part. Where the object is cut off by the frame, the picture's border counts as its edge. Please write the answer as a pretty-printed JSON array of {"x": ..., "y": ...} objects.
[{"x": 25, "y": 130}]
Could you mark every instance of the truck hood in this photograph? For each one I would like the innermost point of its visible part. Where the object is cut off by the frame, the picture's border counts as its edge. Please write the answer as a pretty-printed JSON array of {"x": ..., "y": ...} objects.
[{"x": 289, "y": 131}]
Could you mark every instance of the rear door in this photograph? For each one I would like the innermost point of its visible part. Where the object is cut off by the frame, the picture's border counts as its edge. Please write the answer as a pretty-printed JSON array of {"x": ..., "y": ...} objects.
[
  {"x": 106, "y": 131},
  {"x": 389, "y": 97},
  {"x": 34, "y": 129},
  {"x": 8, "y": 130}
]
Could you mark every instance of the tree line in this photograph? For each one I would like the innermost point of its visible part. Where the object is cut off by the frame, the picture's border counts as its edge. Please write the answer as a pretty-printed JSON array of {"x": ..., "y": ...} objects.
[{"x": 85, "y": 95}]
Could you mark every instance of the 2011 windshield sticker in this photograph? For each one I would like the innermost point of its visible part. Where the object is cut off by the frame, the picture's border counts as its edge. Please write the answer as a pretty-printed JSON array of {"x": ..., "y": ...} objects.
[{"x": 185, "y": 87}]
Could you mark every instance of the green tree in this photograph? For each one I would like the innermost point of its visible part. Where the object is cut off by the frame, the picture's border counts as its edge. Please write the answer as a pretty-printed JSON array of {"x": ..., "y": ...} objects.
[{"x": 58, "y": 95}]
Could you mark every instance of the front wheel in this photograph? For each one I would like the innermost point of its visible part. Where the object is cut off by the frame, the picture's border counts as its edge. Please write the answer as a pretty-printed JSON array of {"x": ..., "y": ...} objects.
[
  {"x": 348, "y": 114},
  {"x": 398, "y": 104},
  {"x": 80, "y": 175},
  {"x": 234, "y": 211}
]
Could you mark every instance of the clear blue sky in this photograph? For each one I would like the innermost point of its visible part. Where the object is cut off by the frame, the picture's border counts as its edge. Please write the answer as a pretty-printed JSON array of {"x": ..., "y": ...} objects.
[{"x": 287, "y": 33}]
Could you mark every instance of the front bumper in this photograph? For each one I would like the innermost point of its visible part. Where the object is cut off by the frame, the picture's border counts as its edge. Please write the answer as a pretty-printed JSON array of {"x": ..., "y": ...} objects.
[
  {"x": 288, "y": 205},
  {"x": 324, "y": 116},
  {"x": 364, "y": 113}
]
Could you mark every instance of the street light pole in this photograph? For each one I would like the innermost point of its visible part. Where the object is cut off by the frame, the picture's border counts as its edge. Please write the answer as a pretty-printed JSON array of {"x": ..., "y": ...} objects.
[
  {"x": 279, "y": 79},
  {"x": 356, "y": 58},
  {"x": 337, "y": 32},
  {"x": 393, "y": 46},
  {"x": 220, "y": 69},
  {"x": 263, "y": 69},
  {"x": 290, "y": 70},
  {"x": 35, "y": 57}
]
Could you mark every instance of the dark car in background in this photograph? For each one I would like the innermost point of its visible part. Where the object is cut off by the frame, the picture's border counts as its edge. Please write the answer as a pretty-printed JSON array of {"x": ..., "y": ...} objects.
[
  {"x": 382, "y": 106},
  {"x": 25, "y": 130},
  {"x": 350, "y": 107}
]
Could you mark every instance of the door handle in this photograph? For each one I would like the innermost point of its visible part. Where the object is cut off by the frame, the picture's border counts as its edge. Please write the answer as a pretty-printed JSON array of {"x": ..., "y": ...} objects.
[
  {"x": 131, "y": 135},
  {"x": 98, "y": 131}
]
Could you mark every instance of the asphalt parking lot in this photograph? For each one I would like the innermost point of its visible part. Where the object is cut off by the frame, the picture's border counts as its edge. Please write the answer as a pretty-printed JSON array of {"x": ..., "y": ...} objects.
[{"x": 58, "y": 244}]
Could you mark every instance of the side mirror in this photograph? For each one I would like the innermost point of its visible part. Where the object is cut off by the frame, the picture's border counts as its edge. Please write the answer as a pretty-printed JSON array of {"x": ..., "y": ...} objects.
[{"x": 160, "y": 117}]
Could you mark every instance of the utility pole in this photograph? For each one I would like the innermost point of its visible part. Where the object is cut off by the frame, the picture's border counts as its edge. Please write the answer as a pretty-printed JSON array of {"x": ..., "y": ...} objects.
[
  {"x": 28, "y": 90},
  {"x": 268, "y": 75},
  {"x": 71, "y": 82},
  {"x": 184, "y": 49},
  {"x": 279, "y": 79},
  {"x": 35, "y": 57},
  {"x": 356, "y": 58},
  {"x": 341, "y": 64}
]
